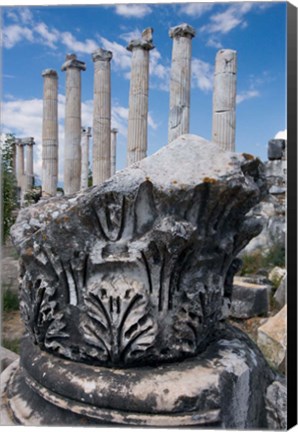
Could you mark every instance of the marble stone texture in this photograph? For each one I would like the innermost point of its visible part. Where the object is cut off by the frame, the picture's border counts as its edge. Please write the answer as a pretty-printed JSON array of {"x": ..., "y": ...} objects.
[
  {"x": 72, "y": 124},
  {"x": 135, "y": 271},
  {"x": 50, "y": 133},
  {"x": 180, "y": 80},
  {"x": 138, "y": 97},
  {"x": 102, "y": 116},
  {"x": 224, "y": 99},
  {"x": 122, "y": 294}
]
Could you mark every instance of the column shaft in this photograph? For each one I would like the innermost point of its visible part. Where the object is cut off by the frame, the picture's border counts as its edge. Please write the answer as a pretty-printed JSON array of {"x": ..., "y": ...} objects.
[
  {"x": 86, "y": 133},
  {"x": 102, "y": 116},
  {"x": 180, "y": 81},
  {"x": 138, "y": 98},
  {"x": 20, "y": 165},
  {"x": 50, "y": 133},
  {"x": 72, "y": 125},
  {"x": 224, "y": 99},
  {"x": 29, "y": 167},
  {"x": 113, "y": 150}
]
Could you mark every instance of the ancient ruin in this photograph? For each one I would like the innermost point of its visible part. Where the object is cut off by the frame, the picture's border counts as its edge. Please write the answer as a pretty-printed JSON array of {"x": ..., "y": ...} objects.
[
  {"x": 72, "y": 124},
  {"x": 224, "y": 99},
  {"x": 138, "y": 97},
  {"x": 126, "y": 287},
  {"x": 124, "y": 303},
  {"x": 50, "y": 133},
  {"x": 102, "y": 116},
  {"x": 180, "y": 80}
]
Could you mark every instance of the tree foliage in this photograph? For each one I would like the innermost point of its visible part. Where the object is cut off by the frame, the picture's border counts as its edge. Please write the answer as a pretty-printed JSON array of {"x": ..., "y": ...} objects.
[{"x": 9, "y": 184}]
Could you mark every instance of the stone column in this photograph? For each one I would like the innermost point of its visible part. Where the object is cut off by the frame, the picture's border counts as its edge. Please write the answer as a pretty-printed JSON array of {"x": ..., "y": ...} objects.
[
  {"x": 50, "y": 133},
  {"x": 72, "y": 124},
  {"x": 20, "y": 163},
  {"x": 29, "y": 164},
  {"x": 138, "y": 97},
  {"x": 180, "y": 80},
  {"x": 101, "y": 116},
  {"x": 224, "y": 99},
  {"x": 86, "y": 134},
  {"x": 114, "y": 132},
  {"x": 14, "y": 158}
]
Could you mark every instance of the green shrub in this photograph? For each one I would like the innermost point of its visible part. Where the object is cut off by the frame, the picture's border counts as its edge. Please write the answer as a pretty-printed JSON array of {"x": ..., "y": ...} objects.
[
  {"x": 257, "y": 260},
  {"x": 12, "y": 345},
  {"x": 10, "y": 301}
]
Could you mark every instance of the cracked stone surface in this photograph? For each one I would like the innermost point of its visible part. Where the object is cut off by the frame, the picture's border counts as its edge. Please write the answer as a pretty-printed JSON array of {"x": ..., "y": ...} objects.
[{"x": 134, "y": 271}]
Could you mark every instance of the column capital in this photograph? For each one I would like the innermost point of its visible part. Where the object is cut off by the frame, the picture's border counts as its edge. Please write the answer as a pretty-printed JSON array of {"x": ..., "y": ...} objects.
[
  {"x": 71, "y": 61},
  {"x": 49, "y": 72},
  {"x": 25, "y": 141},
  {"x": 145, "y": 42},
  {"x": 114, "y": 130},
  {"x": 102, "y": 55},
  {"x": 184, "y": 30},
  {"x": 86, "y": 131}
]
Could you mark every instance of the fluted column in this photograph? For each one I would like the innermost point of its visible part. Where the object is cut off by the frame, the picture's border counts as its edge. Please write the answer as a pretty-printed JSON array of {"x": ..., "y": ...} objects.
[
  {"x": 138, "y": 97},
  {"x": 86, "y": 134},
  {"x": 50, "y": 133},
  {"x": 20, "y": 167},
  {"x": 29, "y": 163},
  {"x": 224, "y": 99},
  {"x": 114, "y": 132},
  {"x": 101, "y": 116},
  {"x": 180, "y": 80},
  {"x": 72, "y": 124},
  {"x": 14, "y": 158}
]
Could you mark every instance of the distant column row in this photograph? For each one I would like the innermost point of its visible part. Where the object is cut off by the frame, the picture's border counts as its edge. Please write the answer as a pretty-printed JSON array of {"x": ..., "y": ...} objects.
[{"x": 76, "y": 149}]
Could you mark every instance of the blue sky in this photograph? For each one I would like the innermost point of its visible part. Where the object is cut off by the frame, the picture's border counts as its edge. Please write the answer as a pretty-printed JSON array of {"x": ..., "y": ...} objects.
[{"x": 39, "y": 37}]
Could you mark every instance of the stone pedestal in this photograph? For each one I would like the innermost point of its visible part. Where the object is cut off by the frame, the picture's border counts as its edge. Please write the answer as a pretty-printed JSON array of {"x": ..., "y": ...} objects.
[
  {"x": 180, "y": 80},
  {"x": 124, "y": 302},
  {"x": 114, "y": 132},
  {"x": 72, "y": 124},
  {"x": 138, "y": 97},
  {"x": 86, "y": 134},
  {"x": 224, "y": 99},
  {"x": 102, "y": 116},
  {"x": 50, "y": 133},
  {"x": 47, "y": 390}
]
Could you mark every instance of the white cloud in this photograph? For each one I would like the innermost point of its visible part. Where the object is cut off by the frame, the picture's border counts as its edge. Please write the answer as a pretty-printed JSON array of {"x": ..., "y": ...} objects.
[
  {"x": 133, "y": 10},
  {"x": 214, "y": 43},
  {"x": 14, "y": 34},
  {"x": 134, "y": 34},
  {"x": 121, "y": 57},
  {"x": 48, "y": 37},
  {"x": 71, "y": 43},
  {"x": 281, "y": 134},
  {"x": 196, "y": 9},
  {"x": 248, "y": 94},
  {"x": 233, "y": 16},
  {"x": 202, "y": 74}
]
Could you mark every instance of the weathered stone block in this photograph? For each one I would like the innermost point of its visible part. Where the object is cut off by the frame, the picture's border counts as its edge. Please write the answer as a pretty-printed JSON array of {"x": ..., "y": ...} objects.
[
  {"x": 272, "y": 339},
  {"x": 224, "y": 387},
  {"x": 248, "y": 299},
  {"x": 276, "y": 406},
  {"x": 276, "y": 148},
  {"x": 123, "y": 290},
  {"x": 135, "y": 271},
  {"x": 280, "y": 293}
]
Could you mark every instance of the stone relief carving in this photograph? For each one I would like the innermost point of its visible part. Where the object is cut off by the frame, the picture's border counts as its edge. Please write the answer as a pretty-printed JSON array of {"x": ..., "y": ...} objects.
[{"x": 136, "y": 274}]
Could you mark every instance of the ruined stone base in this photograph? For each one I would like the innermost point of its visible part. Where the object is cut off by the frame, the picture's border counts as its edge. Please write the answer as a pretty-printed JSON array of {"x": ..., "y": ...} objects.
[{"x": 223, "y": 387}]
